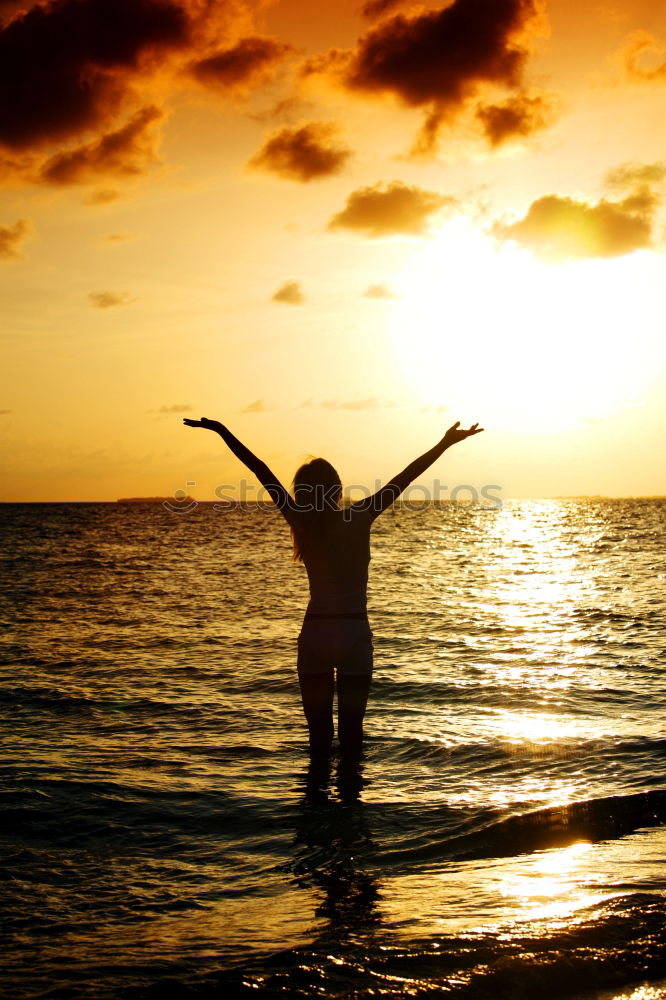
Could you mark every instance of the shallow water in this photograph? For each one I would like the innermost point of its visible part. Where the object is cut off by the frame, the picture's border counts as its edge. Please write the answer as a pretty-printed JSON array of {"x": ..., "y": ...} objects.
[{"x": 503, "y": 837}]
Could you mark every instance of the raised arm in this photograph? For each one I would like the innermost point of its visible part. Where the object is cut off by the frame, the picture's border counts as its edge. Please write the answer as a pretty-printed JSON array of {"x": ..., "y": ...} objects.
[
  {"x": 389, "y": 493},
  {"x": 270, "y": 482}
]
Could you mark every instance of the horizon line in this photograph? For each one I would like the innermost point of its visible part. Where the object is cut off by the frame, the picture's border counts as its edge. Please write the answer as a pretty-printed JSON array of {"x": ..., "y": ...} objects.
[{"x": 269, "y": 503}]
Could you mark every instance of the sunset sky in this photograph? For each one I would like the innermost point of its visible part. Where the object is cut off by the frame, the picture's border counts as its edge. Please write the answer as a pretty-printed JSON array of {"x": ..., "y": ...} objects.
[{"x": 336, "y": 228}]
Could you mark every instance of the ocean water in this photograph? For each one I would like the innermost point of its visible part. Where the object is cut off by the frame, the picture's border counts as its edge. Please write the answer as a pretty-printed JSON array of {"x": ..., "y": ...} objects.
[{"x": 503, "y": 837}]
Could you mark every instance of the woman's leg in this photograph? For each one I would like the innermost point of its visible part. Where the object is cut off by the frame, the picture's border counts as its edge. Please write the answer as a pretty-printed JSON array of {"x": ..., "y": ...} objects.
[
  {"x": 353, "y": 692},
  {"x": 317, "y": 694}
]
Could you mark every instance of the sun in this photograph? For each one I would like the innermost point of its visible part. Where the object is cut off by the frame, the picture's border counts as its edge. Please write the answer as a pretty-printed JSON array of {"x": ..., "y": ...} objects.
[{"x": 488, "y": 328}]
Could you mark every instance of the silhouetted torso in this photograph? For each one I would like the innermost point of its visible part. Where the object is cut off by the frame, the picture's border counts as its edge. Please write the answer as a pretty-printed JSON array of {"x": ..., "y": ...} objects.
[{"x": 336, "y": 559}]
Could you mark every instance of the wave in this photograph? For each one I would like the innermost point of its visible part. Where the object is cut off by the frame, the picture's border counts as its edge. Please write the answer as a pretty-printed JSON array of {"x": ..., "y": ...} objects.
[
  {"x": 592, "y": 820},
  {"x": 499, "y": 836}
]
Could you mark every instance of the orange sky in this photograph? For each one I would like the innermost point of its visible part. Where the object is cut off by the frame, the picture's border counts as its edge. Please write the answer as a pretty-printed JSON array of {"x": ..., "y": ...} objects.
[{"x": 337, "y": 229}]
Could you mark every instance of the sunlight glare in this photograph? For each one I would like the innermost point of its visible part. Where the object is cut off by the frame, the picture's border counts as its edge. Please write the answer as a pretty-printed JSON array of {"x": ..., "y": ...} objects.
[{"x": 534, "y": 345}]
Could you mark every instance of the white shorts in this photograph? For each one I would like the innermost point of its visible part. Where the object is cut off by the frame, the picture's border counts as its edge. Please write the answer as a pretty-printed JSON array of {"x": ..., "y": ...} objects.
[{"x": 328, "y": 643}]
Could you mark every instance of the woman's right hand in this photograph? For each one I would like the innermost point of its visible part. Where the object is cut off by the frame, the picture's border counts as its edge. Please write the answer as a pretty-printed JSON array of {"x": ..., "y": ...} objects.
[{"x": 456, "y": 433}]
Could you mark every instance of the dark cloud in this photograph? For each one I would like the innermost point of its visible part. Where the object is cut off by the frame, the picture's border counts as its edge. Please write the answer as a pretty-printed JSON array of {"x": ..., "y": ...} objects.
[
  {"x": 10, "y": 8},
  {"x": 126, "y": 152},
  {"x": 518, "y": 116},
  {"x": 71, "y": 71},
  {"x": 375, "y": 9},
  {"x": 250, "y": 62},
  {"x": 303, "y": 154},
  {"x": 12, "y": 237},
  {"x": 379, "y": 291},
  {"x": 644, "y": 58},
  {"x": 439, "y": 59},
  {"x": 441, "y": 56},
  {"x": 67, "y": 66},
  {"x": 107, "y": 300},
  {"x": 396, "y": 209},
  {"x": 290, "y": 293},
  {"x": 556, "y": 227}
]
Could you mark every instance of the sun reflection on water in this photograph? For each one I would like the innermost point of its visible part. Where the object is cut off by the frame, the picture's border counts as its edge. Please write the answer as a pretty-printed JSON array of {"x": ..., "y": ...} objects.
[
  {"x": 544, "y": 727},
  {"x": 552, "y": 883},
  {"x": 541, "y": 562},
  {"x": 640, "y": 993},
  {"x": 549, "y": 885},
  {"x": 536, "y": 596}
]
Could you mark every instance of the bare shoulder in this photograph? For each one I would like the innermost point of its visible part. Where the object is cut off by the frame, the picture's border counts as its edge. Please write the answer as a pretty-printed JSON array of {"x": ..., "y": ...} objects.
[{"x": 360, "y": 512}]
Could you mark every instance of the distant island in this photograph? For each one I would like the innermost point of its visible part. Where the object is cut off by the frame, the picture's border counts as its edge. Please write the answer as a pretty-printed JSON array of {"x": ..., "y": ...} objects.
[{"x": 179, "y": 500}]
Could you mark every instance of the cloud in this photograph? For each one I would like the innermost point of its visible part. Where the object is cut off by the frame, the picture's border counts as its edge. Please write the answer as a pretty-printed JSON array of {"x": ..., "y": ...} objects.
[
  {"x": 303, "y": 154},
  {"x": 367, "y": 403},
  {"x": 517, "y": 116},
  {"x": 396, "y": 209},
  {"x": 107, "y": 300},
  {"x": 431, "y": 408},
  {"x": 103, "y": 196},
  {"x": 250, "y": 62},
  {"x": 72, "y": 71},
  {"x": 4, "y": 413},
  {"x": 440, "y": 56},
  {"x": 12, "y": 237},
  {"x": 375, "y": 9},
  {"x": 67, "y": 67},
  {"x": 175, "y": 408},
  {"x": 557, "y": 227},
  {"x": 123, "y": 237},
  {"x": 290, "y": 293},
  {"x": 630, "y": 175},
  {"x": 126, "y": 152},
  {"x": 644, "y": 58},
  {"x": 15, "y": 168},
  {"x": 286, "y": 110},
  {"x": 439, "y": 59},
  {"x": 257, "y": 406},
  {"x": 10, "y": 8},
  {"x": 379, "y": 291}
]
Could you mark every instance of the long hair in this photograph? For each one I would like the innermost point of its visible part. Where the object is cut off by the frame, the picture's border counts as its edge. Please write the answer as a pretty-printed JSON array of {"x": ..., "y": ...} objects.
[{"x": 317, "y": 490}]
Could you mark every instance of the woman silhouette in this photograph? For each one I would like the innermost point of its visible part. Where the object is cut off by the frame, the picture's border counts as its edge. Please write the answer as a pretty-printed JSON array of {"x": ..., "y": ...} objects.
[{"x": 333, "y": 541}]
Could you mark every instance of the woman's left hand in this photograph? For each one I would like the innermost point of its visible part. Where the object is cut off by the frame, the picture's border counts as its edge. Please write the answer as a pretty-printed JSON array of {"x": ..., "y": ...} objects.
[{"x": 211, "y": 425}]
